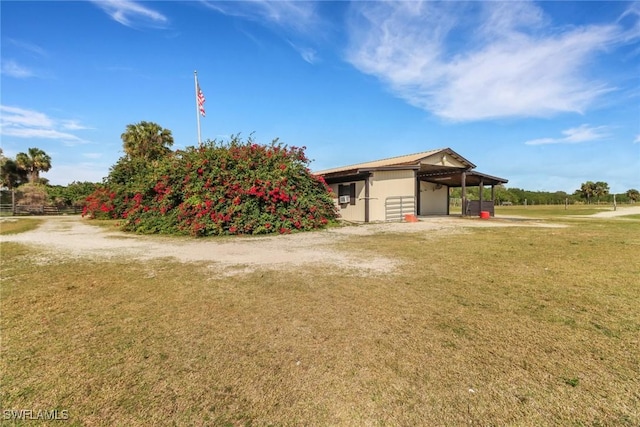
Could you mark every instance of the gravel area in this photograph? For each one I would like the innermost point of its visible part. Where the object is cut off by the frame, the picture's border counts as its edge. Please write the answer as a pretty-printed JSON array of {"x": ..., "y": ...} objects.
[{"x": 76, "y": 238}]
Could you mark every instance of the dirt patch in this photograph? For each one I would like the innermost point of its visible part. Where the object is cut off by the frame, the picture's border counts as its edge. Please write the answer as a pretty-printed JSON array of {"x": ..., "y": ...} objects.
[
  {"x": 74, "y": 237},
  {"x": 620, "y": 211}
]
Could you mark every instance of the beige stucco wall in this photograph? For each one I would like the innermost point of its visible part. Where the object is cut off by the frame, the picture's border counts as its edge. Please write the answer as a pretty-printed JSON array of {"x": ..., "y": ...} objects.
[
  {"x": 388, "y": 183},
  {"x": 441, "y": 159},
  {"x": 433, "y": 200},
  {"x": 348, "y": 211},
  {"x": 382, "y": 184}
]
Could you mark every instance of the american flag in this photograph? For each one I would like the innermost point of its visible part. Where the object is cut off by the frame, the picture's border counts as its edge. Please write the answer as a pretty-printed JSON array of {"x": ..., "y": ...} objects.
[{"x": 201, "y": 101}]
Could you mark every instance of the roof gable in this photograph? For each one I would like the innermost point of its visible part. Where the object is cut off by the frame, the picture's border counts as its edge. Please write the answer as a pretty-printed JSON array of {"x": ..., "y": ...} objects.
[{"x": 442, "y": 157}]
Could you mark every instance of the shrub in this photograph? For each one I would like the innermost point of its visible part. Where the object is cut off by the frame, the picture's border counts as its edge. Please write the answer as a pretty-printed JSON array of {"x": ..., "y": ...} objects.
[
  {"x": 238, "y": 188},
  {"x": 100, "y": 204},
  {"x": 74, "y": 194}
]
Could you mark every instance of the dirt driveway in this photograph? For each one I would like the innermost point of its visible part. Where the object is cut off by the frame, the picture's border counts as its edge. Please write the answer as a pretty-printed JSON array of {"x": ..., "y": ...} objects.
[{"x": 75, "y": 237}]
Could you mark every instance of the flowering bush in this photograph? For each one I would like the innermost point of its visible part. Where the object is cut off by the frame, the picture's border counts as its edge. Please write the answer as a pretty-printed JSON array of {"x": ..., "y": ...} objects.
[
  {"x": 239, "y": 188},
  {"x": 100, "y": 204}
]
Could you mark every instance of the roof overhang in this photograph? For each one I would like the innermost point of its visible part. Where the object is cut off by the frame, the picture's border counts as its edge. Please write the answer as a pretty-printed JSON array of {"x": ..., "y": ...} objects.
[
  {"x": 443, "y": 166},
  {"x": 454, "y": 179}
]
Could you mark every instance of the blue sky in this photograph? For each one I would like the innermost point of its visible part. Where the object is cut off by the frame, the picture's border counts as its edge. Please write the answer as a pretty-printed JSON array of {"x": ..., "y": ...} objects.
[{"x": 545, "y": 94}]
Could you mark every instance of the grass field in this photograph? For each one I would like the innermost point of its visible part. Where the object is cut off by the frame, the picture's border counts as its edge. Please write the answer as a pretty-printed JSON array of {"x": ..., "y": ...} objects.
[
  {"x": 13, "y": 226},
  {"x": 552, "y": 211},
  {"x": 494, "y": 326}
]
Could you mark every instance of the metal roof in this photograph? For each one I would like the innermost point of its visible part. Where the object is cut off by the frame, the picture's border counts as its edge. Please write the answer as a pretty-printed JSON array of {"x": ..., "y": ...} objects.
[
  {"x": 406, "y": 160},
  {"x": 454, "y": 179}
]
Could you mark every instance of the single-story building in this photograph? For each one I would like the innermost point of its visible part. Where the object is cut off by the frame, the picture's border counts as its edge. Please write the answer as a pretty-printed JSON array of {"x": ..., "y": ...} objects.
[{"x": 417, "y": 184}]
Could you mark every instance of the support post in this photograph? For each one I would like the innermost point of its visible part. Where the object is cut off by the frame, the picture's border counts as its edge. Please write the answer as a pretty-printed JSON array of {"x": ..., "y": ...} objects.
[
  {"x": 481, "y": 189},
  {"x": 417, "y": 193},
  {"x": 463, "y": 183},
  {"x": 366, "y": 198}
]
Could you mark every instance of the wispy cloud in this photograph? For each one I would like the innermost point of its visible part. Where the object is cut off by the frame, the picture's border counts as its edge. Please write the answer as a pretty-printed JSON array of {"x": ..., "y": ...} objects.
[
  {"x": 296, "y": 19},
  {"x": 583, "y": 133},
  {"x": 22, "y": 123},
  {"x": 73, "y": 125},
  {"x": 12, "y": 69},
  {"x": 299, "y": 16},
  {"x": 25, "y": 46},
  {"x": 479, "y": 60},
  {"x": 637, "y": 140},
  {"x": 308, "y": 54},
  {"x": 132, "y": 14}
]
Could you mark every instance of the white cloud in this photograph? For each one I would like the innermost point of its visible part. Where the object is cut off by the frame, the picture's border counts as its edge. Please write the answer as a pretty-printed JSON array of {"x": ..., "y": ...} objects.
[
  {"x": 28, "y": 47},
  {"x": 13, "y": 69},
  {"x": 92, "y": 155},
  {"x": 41, "y": 133},
  {"x": 637, "y": 140},
  {"x": 583, "y": 133},
  {"x": 16, "y": 117},
  {"x": 479, "y": 60},
  {"x": 295, "y": 18},
  {"x": 73, "y": 125},
  {"x": 132, "y": 14},
  {"x": 23, "y": 123},
  {"x": 308, "y": 54},
  {"x": 297, "y": 15}
]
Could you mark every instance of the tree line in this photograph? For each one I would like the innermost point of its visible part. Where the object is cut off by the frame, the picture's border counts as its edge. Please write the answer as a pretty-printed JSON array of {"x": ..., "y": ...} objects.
[
  {"x": 145, "y": 141},
  {"x": 22, "y": 175},
  {"x": 589, "y": 193}
]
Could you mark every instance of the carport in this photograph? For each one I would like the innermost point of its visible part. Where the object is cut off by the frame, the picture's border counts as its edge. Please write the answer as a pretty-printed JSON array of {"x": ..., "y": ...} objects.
[{"x": 463, "y": 178}]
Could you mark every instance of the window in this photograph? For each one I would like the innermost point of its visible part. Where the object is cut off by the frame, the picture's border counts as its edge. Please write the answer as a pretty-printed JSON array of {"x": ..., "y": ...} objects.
[{"x": 348, "y": 190}]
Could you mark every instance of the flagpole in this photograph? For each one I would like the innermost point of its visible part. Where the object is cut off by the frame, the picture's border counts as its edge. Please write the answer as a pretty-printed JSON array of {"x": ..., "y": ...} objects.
[{"x": 195, "y": 76}]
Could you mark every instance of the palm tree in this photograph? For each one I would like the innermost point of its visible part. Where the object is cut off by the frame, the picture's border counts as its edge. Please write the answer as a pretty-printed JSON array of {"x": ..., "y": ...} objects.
[
  {"x": 601, "y": 189},
  {"x": 10, "y": 175},
  {"x": 633, "y": 194},
  {"x": 146, "y": 140},
  {"x": 33, "y": 162},
  {"x": 587, "y": 189}
]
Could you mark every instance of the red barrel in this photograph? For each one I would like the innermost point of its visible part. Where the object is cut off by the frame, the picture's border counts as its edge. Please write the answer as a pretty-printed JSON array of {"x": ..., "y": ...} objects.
[{"x": 485, "y": 214}]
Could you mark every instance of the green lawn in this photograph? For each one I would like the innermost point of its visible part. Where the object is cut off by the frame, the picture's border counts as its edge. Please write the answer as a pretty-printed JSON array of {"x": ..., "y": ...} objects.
[
  {"x": 493, "y": 326},
  {"x": 552, "y": 210}
]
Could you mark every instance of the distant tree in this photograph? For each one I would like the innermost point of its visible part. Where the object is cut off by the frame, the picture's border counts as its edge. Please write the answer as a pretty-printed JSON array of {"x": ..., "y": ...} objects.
[
  {"x": 73, "y": 194},
  {"x": 633, "y": 194},
  {"x": 11, "y": 175},
  {"x": 503, "y": 195},
  {"x": 587, "y": 190},
  {"x": 601, "y": 189},
  {"x": 33, "y": 162},
  {"x": 146, "y": 140}
]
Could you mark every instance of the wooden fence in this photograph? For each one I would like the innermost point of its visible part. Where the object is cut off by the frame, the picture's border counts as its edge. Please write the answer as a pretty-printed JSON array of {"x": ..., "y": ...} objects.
[{"x": 8, "y": 209}]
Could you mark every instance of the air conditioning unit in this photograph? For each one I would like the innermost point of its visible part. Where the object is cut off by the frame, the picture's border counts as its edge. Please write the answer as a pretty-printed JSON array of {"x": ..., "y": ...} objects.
[{"x": 344, "y": 199}]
